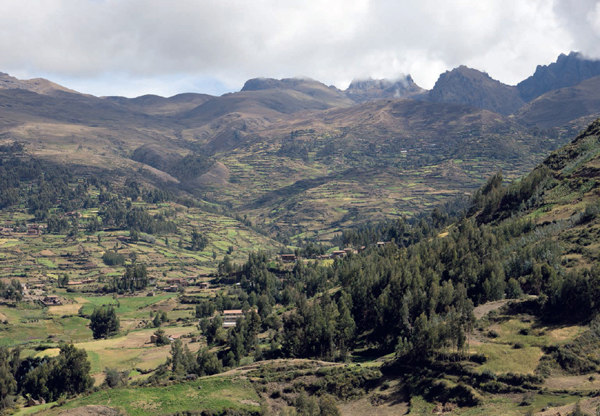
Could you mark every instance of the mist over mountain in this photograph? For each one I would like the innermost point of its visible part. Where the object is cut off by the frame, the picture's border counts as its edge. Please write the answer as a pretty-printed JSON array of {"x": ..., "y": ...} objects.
[{"x": 361, "y": 90}]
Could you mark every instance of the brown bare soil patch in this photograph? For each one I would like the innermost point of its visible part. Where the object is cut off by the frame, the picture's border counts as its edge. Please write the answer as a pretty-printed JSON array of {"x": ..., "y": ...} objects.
[
  {"x": 62, "y": 310},
  {"x": 217, "y": 175},
  {"x": 574, "y": 382},
  {"x": 142, "y": 404},
  {"x": 250, "y": 402}
]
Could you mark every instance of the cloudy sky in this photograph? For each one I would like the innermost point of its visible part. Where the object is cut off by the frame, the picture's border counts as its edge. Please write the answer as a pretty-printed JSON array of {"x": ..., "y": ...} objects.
[{"x": 165, "y": 47}]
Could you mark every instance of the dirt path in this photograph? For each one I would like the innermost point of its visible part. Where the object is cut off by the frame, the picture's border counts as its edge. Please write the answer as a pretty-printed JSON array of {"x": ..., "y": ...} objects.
[
  {"x": 247, "y": 368},
  {"x": 486, "y": 308},
  {"x": 481, "y": 310},
  {"x": 588, "y": 407},
  {"x": 574, "y": 382},
  {"x": 363, "y": 407}
]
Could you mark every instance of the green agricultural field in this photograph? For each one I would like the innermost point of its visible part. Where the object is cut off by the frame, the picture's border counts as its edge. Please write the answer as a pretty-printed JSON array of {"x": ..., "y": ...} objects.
[
  {"x": 128, "y": 351},
  {"x": 48, "y": 263}
]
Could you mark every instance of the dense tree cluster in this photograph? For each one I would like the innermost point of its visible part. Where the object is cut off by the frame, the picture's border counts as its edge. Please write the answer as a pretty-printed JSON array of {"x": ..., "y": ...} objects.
[
  {"x": 205, "y": 309},
  {"x": 183, "y": 362},
  {"x": 242, "y": 339},
  {"x": 199, "y": 241},
  {"x": 104, "y": 322},
  {"x": 161, "y": 337},
  {"x": 324, "y": 329},
  {"x": 122, "y": 215},
  {"x": 112, "y": 258},
  {"x": 494, "y": 202},
  {"x": 12, "y": 290},
  {"x": 48, "y": 377},
  {"x": 55, "y": 195},
  {"x": 416, "y": 296},
  {"x": 134, "y": 278},
  {"x": 57, "y": 225}
]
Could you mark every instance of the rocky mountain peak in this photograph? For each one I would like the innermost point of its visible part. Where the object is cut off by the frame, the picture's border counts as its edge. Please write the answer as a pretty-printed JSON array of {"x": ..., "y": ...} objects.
[
  {"x": 567, "y": 71},
  {"x": 468, "y": 86}
]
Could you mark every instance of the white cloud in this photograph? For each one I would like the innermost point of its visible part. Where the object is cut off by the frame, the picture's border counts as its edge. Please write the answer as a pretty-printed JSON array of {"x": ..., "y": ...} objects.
[
  {"x": 580, "y": 20},
  {"x": 159, "y": 46}
]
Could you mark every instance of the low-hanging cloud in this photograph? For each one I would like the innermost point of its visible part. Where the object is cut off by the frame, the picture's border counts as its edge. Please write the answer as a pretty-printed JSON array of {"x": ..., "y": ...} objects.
[{"x": 225, "y": 42}]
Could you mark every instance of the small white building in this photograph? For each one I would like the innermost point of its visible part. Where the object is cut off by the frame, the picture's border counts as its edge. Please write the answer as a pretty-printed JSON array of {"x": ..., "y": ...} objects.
[{"x": 231, "y": 316}]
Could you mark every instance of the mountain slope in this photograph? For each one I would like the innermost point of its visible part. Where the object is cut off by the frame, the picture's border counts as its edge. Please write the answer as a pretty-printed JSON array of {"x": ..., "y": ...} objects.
[
  {"x": 561, "y": 196},
  {"x": 268, "y": 97},
  {"x": 156, "y": 105},
  {"x": 329, "y": 96},
  {"x": 23, "y": 104},
  {"x": 559, "y": 107},
  {"x": 322, "y": 170},
  {"x": 37, "y": 85},
  {"x": 227, "y": 122}
]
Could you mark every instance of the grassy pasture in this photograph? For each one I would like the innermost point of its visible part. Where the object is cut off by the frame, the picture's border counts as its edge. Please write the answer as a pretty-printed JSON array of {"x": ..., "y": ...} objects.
[
  {"x": 506, "y": 359},
  {"x": 216, "y": 393}
]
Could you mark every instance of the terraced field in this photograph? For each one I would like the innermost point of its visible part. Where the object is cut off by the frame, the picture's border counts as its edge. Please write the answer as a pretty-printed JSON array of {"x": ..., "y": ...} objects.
[{"x": 47, "y": 256}]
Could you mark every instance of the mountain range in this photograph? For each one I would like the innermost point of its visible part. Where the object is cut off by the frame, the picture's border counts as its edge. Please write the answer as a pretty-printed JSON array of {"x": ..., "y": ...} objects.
[{"x": 302, "y": 158}]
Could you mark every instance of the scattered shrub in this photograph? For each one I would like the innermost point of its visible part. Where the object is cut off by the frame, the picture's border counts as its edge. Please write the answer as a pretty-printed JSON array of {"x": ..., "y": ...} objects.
[
  {"x": 493, "y": 334},
  {"x": 478, "y": 358},
  {"x": 527, "y": 399}
]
